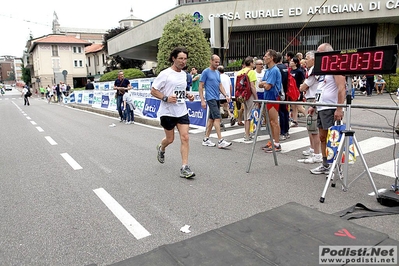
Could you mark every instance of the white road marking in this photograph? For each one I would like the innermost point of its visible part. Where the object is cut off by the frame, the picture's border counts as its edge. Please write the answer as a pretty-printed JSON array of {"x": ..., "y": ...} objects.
[
  {"x": 387, "y": 168},
  {"x": 33, "y": 123},
  {"x": 39, "y": 129},
  {"x": 28, "y": 118},
  {"x": 71, "y": 161},
  {"x": 50, "y": 140},
  {"x": 131, "y": 224},
  {"x": 375, "y": 143}
]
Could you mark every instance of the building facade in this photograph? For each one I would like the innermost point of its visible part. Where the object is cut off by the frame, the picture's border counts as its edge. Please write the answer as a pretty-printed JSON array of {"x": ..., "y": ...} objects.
[
  {"x": 258, "y": 25},
  {"x": 54, "y": 58},
  {"x": 10, "y": 69},
  {"x": 95, "y": 61}
]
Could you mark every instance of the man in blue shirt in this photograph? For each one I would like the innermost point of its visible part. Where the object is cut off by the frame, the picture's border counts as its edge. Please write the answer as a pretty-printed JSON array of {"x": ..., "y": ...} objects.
[
  {"x": 271, "y": 82},
  {"x": 210, "y": 80}
]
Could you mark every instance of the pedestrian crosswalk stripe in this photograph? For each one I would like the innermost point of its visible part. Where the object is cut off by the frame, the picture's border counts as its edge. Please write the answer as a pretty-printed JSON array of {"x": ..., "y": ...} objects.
[
  {"x": 291, "y": 145},
  {"x": 387, "y": 168},
  {"x": 374, "y": 144}
]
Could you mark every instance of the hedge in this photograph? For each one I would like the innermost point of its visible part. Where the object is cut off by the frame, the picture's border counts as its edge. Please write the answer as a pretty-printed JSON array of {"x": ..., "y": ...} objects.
[{"x": 130, "y": 73}]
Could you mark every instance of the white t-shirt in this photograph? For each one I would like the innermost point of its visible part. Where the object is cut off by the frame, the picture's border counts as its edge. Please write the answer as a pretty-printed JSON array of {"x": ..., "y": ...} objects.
[
  {"x": 259, "y": 77},
  {"x": 225, "y": 80},
  {"x": 171, "y": 82},
  {"x": 312, "y": 83},
  {"x": 327, "y": 92}
]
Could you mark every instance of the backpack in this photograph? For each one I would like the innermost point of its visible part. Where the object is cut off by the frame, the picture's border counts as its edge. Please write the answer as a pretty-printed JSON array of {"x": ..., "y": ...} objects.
[
  {"x": 292, "y": 89},
  {"x": 243, "y": 87},
  {"x": 28, "y": 93}
]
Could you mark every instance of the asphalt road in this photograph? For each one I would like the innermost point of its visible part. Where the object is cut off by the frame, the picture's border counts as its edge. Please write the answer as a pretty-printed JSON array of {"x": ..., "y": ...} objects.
[{"x": 76, "y": 191}]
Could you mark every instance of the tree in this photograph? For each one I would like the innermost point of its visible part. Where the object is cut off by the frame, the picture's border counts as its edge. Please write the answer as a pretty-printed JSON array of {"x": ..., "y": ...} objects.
[
  {"x": 182, "y": 31},
  {"x": 117, "y": 62},
  {"x": 26, "y": 75}
]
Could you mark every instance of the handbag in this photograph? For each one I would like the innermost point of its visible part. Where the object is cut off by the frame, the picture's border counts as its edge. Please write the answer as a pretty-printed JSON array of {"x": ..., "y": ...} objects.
[
  {"x": 254, "y": 118},
  {"x": 334, "y": 137}
]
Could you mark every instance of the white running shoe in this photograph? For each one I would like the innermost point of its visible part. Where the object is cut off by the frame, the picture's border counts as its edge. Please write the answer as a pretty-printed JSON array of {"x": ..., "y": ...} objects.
[
  {"x": 314, "y": 159},
  {"x": 223, "y": 144},
  {"x": 208, "y": 142},
  {"x": 308, "y": 152}
]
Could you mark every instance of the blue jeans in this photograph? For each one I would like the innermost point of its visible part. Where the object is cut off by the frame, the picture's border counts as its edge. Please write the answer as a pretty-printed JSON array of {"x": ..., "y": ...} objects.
[
  {"x": 129, "y": 115},
  {"x": 119, "y": 101}
]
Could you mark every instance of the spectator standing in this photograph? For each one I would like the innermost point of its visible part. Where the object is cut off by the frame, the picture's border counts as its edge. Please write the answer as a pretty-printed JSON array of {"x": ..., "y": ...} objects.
[
  {"x": 331, "y": 90},
  {"x": 299, "y": 75},
  {"x": 26, "y": 94},
  {"x": 272, "y": 84},
  {"x": 121, "y": 85},
  {"x": 283, "y": 112},
  {"x": 226, "y": 83},
  {"x": 369, "y": 85},
  {"x": 210, "y": 81},
  {"x": 89, "y": 85},
  {"x": 249, "y": 104},
  {"x": 59, "y": 93},
  {"x": 196, "y": 79},
  {"x": 260, "y": 72},
  {"x": 309, "y": 87},
  {"x": 128, "y": 107}
]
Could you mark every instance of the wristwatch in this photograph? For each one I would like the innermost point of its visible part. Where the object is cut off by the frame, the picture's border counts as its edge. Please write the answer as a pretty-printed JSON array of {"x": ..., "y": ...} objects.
[{"x": 165, "y": 98}]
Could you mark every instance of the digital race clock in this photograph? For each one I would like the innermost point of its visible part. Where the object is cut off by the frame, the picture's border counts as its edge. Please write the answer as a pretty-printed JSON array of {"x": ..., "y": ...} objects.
[{"x": 371, "y": 60}]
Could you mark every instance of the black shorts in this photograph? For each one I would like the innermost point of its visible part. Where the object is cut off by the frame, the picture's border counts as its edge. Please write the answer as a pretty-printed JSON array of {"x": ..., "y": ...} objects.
[
  {"x": 223, "y": 101},
  {"x": 169, "y": 122}
]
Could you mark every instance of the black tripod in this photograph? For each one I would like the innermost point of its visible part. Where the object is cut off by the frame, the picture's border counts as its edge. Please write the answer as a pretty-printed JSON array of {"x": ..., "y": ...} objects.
[{"x": 336, "y": 172}]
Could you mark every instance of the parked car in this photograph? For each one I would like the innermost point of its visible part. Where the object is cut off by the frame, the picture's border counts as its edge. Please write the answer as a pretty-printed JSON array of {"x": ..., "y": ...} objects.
[{"x": 8, "y": 87}]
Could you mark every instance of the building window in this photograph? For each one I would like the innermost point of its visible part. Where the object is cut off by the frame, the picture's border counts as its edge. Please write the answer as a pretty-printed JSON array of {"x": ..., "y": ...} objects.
[
  {"x": 77, "y": 63},
  {"x": 88, "y": 61},
  {"x": 103, "y": 57},
  {"x": 54, "y": 50},
  {"x": 77, "y": 50}
]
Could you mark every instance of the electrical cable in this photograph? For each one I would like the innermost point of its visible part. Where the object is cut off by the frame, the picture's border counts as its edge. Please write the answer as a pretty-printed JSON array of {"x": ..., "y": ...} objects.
[
  {"x": 303, "y": 28},
  {"x": 231, "y": 27}
]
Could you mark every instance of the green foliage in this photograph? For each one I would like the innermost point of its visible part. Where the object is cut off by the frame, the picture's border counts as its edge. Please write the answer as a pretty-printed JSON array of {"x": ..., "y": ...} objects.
[
  {"x": 26, "y": 77},
  {"x": 183, "y": 32},
  {"x": 118, "y": 62},
  {"x": 131, "y": 73},
  {"x": 392, "y": 81}
]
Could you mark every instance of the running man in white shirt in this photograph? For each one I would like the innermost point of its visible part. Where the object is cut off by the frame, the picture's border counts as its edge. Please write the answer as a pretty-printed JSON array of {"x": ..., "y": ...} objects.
[{"x": 170, "y": 88}]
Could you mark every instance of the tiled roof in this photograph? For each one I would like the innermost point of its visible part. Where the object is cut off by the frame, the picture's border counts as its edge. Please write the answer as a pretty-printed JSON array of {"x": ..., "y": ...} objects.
[
  {"x": 95, "y": 47},
  {"x": 57, "y": 39},
  {"x": 61, "y": 39}
]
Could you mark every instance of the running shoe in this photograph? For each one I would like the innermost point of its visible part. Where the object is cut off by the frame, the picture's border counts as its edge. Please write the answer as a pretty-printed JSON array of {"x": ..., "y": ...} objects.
[
  {"x": 321, "y": 170},
  {"x": 313, "y": 159},
  {"x": 223, "y": 144},
  {"x": 232, "y": 121},
  {"x": 208, "y": 142},
  {"x": 161, "y": 154},
  {"x": 308, "y": 152},
  {"x": 267, "y": 146},
  {"x": 270, "y": 149},
  {"x": 186, "y": 172}
]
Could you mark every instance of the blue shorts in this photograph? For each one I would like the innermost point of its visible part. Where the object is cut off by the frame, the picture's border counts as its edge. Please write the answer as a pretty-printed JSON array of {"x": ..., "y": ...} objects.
[{"x": 214, "y": 109}]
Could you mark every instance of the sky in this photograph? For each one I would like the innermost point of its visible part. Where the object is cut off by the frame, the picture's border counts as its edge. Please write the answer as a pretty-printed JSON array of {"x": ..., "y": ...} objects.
[{"x": 36, "y": 17}]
